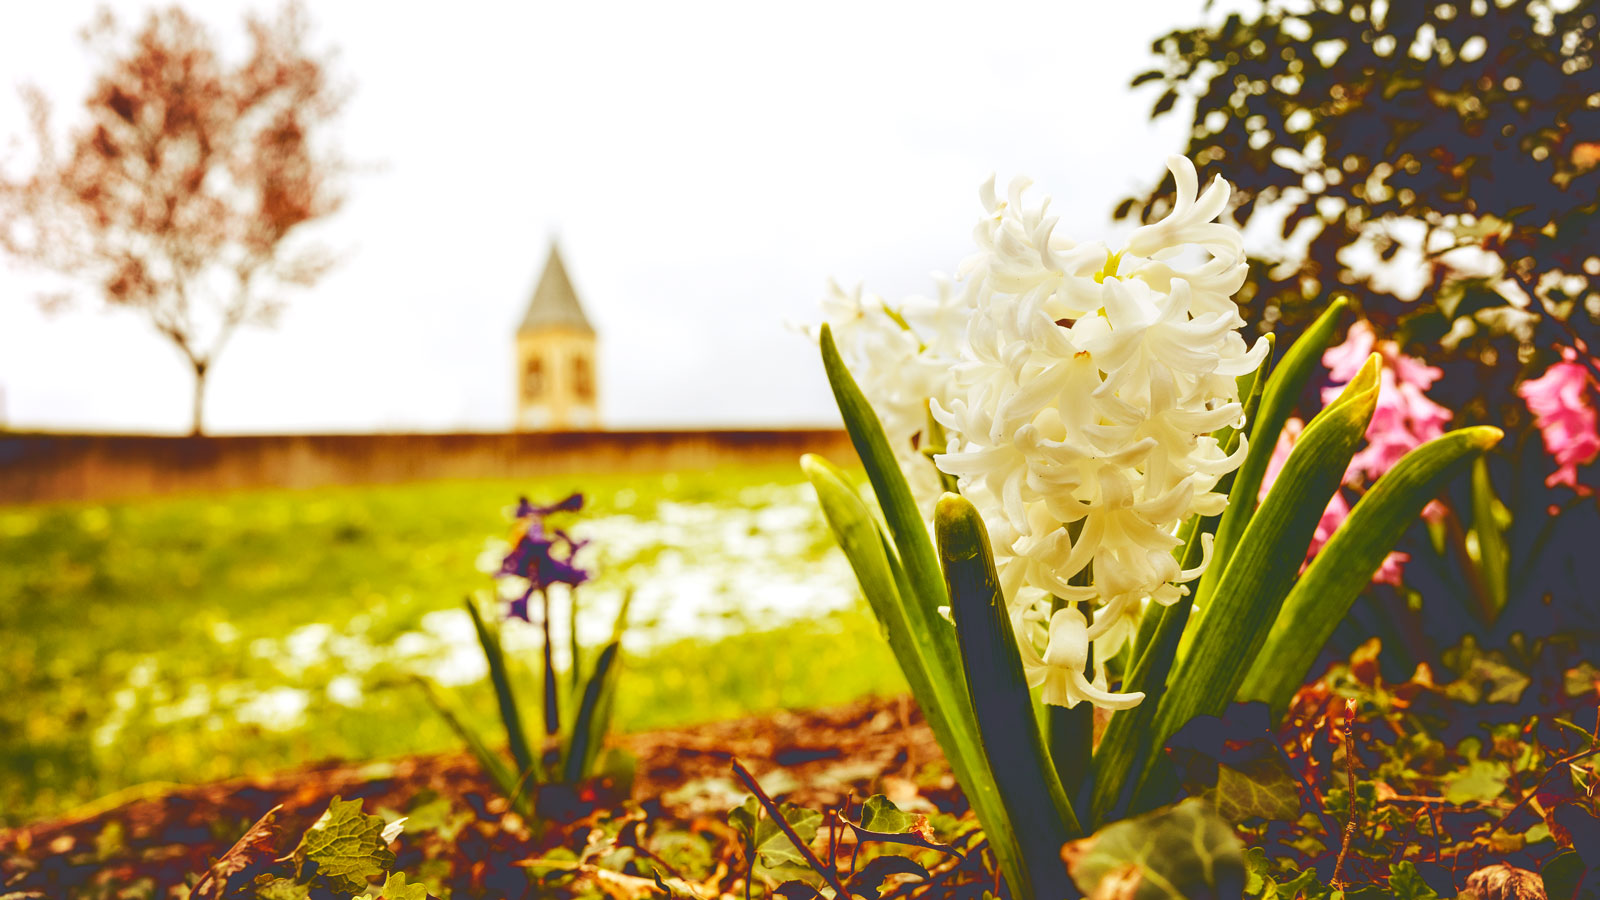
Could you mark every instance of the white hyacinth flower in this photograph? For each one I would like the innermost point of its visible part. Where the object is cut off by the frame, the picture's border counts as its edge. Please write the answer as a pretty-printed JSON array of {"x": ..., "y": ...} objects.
[
  {"x": 1080, "y": 417},
  {"x": 1077, "y": 389},
  {"x": 901, "y": 358}
]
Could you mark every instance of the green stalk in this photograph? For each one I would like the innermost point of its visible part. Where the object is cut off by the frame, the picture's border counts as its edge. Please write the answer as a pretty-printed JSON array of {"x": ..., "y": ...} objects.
[
  {"x": 1125, "y": 747},
  {"x": 1281, "y": 390},
  {"x": 552, "y": 704},
  {"x": 1032, "y": 794},
  {"x": 575, "y": 675},
  {"x": 900, "y": 511},
  {"x": 1344, "y": 566},
  {"x": 492, "y": 765},
  {"x": 925, "y": 648},
  {"x": 1493, "y": 558},
  {"x": 587, "y": 730},
  {"x": 510, "y": 714},
  {"x": 1251, "y": 591}
]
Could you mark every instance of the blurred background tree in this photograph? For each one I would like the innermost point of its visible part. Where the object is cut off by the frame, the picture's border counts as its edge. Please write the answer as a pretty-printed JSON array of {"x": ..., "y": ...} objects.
[
  {"x": 1436, "y": 163},
  {"x": 183, "y": 193}
]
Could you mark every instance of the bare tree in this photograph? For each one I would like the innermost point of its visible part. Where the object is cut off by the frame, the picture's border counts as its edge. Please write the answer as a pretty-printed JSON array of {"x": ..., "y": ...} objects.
[{"x": 183, "y": 192}]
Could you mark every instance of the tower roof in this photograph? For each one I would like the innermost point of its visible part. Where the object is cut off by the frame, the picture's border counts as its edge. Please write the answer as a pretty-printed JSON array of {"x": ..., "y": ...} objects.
[{"x": 554, "y": 303}]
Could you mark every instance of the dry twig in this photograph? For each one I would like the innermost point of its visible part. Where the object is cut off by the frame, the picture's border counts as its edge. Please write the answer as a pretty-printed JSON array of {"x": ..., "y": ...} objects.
[
  {"x": 766, "y": 802},
  {"x": 1351, "y": 822}
]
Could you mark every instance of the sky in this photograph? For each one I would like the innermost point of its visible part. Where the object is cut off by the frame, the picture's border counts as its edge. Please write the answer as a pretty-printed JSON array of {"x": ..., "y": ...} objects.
[{"x": 706, "y": 169}]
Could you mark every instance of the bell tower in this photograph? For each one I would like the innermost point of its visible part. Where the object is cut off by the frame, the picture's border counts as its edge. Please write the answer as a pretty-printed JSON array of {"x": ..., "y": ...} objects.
[{"x": 557, "y": 381}]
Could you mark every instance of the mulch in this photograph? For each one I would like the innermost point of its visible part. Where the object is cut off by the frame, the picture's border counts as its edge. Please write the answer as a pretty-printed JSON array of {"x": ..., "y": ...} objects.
[{"x": 156, "y": 846}]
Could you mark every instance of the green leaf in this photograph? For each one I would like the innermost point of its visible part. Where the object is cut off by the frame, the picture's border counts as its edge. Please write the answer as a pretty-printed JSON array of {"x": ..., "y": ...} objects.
[
  {"x": 882, "y": 821},
  {"x": 1240, "y": 612},
  {"x": 1183, "y": 852},
  {"x": 510, "y": 716},
  {"x": 1579, "y": 731},
  {"x": 1264, "y": 791},
  {"x": 888, "y": 484},
  {"x": 395, "y": 888},
  {"x": 1034, "y": 801},
  {"x": 490, "y": 761},
  {"x": 1581, "y": 679},
  {"x": 920, "y": 593},
  {"x": 1493, "y": 557},
  {"x": 743, "y": 819},
  {"x": 1563, "y": 873},
  {"x": 1279, "y": 395},
  {"x": 1126, "y": 745},
  {"x": 1485, "y": 676},
  {"x": 1479, "y": 781},
  {"x": 880, "y": 814},
  {"x": 774, "y": 847},
  {"x": 347, "y": 846},
  {"x": 766, "y": 842},
  {"x": 1323, "y": 595},
  {"x": 882, "y": 583},
  {"x": 268, "y": 887},
  {"x": 924, "y": 645},
  {"x": 588, "y": 732},
  {"x": 1406, "y": 884},
  {"x": 868, "y": 882}
]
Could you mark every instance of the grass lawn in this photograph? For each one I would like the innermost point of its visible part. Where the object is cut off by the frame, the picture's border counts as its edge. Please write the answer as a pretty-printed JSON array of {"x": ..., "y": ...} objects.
[{"x": 199, "y": 638}]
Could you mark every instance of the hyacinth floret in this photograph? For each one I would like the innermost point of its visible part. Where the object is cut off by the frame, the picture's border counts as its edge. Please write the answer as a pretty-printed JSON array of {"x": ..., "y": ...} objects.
[
  {"x": 541, "y": 557},
  {"x": 1084, "y": 389},
  {"x": 901, "y": 357}
]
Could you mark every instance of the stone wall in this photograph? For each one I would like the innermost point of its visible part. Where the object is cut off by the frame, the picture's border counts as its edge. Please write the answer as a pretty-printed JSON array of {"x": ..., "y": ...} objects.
[{"x": 39, "y": 468}]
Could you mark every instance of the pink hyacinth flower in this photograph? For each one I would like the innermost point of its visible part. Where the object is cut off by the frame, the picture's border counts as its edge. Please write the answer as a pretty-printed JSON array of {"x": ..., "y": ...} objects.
[
  {"x": 1559, "y": 401},
  {"x": 1338, "y": 509},
  {"x": 1405, "y": 418}
]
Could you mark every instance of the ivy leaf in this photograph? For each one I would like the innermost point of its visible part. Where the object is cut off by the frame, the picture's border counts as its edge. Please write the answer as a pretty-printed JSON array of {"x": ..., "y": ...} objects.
[
  {"x": 1182, "y": 852},
  {"x": 743, "y": 819},
  {"x": 880, "y": 814},
  {"x": 395, "y": 888},
  {"x": 1258, "y": 871},
  {"x": 796, "y": 890},
  {"x": 269, "y": 887},
  {"x": 1485, "y": 676},
  {"x": 1266, "y": 789},
  {"x": 1584, "y": 679},
  {"x": 881, "y": 820},
  {"x": 346, "y": 846},
  {"x": 1562, "y": 874},
  {"x": 1234, "y": 760},
  {"x": 1405, "y": 883},
  {"x": 1304, "y": 884},
  {"x": 868, "y": 882},
  {"x": 767, "y": 843},
  {"x": 774, "y": 846},
  {"x": 1480, "y": 781}
]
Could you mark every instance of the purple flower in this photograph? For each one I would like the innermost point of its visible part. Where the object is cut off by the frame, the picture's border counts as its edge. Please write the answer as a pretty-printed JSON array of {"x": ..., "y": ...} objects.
[
  {"x": 543, "y": 557},
  {"x": 571, "y": 503}
]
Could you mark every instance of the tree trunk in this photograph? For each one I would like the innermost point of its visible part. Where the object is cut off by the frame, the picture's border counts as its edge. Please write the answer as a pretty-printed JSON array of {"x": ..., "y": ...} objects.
[{"x": 199, "y": 399}]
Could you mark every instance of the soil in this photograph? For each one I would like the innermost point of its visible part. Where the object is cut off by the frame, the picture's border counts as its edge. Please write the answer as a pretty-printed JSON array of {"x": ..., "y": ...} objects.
[{"x": 157, "y": 846}]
